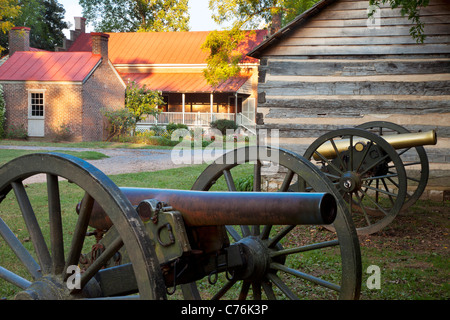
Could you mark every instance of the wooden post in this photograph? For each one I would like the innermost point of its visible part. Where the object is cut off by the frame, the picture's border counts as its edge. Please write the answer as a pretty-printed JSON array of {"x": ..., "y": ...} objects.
[
  {"x": 183, "y": 99},
  {"x": 211, "y": 99}
]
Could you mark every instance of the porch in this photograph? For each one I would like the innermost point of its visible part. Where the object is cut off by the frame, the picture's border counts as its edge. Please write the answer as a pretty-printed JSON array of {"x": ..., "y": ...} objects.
[{"x": 191, "y": 119}]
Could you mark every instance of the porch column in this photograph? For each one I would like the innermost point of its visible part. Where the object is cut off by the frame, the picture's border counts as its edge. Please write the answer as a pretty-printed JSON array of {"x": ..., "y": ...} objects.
[
  {"x": 211, "y": 99},
  {"x": 235, "y": 106},
  {"x": 183, "y": 99}
]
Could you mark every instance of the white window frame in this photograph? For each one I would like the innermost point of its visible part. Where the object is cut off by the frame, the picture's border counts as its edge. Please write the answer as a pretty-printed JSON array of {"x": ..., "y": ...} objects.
[{"x": 30, "y": 93}]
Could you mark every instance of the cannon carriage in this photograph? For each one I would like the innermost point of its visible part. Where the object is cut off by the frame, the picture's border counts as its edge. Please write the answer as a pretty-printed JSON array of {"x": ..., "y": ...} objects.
[
  {"x": 380, "y": 168},
  {"x": 150, "y": 243}
]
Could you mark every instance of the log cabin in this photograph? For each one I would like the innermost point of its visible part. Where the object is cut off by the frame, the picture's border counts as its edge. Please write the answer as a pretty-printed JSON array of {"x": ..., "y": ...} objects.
[{"x": 333, "y": 67}]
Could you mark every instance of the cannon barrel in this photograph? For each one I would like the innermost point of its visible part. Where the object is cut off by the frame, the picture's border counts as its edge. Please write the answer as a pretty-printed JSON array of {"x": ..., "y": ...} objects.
[
  {"x": 397, "y": 141},
  {"x": 201, "y": 208}
]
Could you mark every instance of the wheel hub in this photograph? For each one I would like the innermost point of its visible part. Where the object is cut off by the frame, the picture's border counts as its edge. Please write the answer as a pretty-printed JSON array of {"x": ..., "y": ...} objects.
[
  {"x": 257, "y": 258},
  {"x": 350, "y": 181},
  {"x": 46, "y": 288}
]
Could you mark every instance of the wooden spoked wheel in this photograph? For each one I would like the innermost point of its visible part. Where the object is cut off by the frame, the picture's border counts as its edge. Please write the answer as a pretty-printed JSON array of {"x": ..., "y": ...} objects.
[
  {"x": 300, "y": 262},
  {"x": 43, "y": 237},
  {"x": 368, "y": 173},
  {"x": 415, "y": 160}
]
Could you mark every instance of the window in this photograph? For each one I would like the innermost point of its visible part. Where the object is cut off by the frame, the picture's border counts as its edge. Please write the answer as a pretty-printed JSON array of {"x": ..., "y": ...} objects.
[{"x": 36, "y": 104}]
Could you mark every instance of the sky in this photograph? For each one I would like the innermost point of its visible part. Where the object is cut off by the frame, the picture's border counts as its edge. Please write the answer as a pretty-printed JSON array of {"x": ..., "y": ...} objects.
[{"x": 200, "y": 16}]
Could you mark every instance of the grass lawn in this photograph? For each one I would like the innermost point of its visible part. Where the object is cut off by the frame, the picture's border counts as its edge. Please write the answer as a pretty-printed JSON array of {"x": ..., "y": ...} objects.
[
  {"x": 412, "y": 253},
  {"x": 7, "y": 155},
  {"x": 91, "y": 145}
]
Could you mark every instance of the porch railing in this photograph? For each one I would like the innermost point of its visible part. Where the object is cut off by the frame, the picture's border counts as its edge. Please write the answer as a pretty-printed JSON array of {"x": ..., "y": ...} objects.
[
  {"x": 202, "y": 119},
  {"x": 246, "y": 122}
]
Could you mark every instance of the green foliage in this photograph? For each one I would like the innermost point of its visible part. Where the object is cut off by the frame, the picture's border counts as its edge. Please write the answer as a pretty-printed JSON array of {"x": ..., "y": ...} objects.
[
  {"x": 411, "y": 9},
  {"x": 244, "y": 183},
  {"x": 46, "y": 20},
  {"x": 120, "y": 122},
  {"x": 2, "y": 113},
  {"x": 9, "y": 10},
  {"x": 141, "y": 101},
  {"x": 223, "y": 60},
  {"x": 171, "y": 127},
  {"x": 223, "y": 125},
  {"x": 136, "y": 15},
  {"x": 224, "y": 55},
  {"x": 17, "y": 132}
]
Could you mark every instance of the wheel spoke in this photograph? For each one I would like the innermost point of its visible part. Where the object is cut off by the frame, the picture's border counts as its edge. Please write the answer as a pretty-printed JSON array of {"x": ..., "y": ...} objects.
[
  {"x": 101, "y": 261},
  {"x": 267, "y": 287},
  {"x": 13, "y": 278},
  {"x": 20, "y": 251},
  {"x": 55, "y": 220},
  {"x": 80, "y": 232},
  {"x": 282, "y": 286},
  {"x": 229, "y": 180},
  {"x": 272, "y": 242},
  {"x": 33, "y": 227},
  {"x": 287, "y": 181},
  {"x": 305, "y": 276},
  {"x": 244, "y": 290},
  {"x": 224, "y": 290},
  {"x": 366, "y": 216},
  {"x": 315, "y": 246},
  {"x": 233, "y": 233}
]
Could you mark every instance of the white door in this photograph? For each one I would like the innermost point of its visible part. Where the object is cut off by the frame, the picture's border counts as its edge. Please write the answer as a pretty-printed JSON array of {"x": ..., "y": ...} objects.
[{"x": 36, "y": 114}]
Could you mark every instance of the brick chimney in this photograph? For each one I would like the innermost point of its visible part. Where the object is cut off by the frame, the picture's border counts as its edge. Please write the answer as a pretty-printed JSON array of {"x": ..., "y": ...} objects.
[
  {"x": 80, "y": 24},
  {"x": 100, "y": 44},
  {"x": 19, "y": 39}
]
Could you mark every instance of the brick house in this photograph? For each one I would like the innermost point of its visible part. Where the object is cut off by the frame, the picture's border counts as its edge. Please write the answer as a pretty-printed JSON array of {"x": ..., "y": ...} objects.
[
  {"x": 173, "y": 63},
  {"x": 45, "y": 91}
]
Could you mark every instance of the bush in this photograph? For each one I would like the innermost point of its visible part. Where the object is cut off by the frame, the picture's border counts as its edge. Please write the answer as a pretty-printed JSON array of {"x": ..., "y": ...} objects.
[
  {"x": 120, "y": 122},
  {"x": 171, "y": 127},
  {"x": 17, "y": 132},
  {"x": 63, "y": 133},
  {"x": 222, "y": 125}
]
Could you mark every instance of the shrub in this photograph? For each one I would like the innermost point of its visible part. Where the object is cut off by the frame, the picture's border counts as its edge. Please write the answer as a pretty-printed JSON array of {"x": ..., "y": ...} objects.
[
  {"x": 222, "y": 125},
  {"x": 171, "y": 127},
  {"x": 17, "y": 132},
  {"x": 63, "y": 133},
  {"x": 120, "y": 122}
]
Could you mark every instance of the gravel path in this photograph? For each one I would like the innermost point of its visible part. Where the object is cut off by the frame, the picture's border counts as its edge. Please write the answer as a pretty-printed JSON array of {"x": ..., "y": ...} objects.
[{"x": 119, "y": 161}]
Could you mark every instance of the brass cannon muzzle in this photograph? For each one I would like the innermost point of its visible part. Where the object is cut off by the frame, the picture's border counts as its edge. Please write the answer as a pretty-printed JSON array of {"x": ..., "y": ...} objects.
[
  {"x": 397, "y": 141},
  {"x": 201, "y": 208}
]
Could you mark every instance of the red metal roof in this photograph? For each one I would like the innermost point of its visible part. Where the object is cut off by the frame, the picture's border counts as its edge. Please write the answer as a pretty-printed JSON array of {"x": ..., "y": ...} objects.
[
  {"x": 182, "y": 82},
  {"x": 48, "y": 66},
  {"x": 160, "y": 47}
]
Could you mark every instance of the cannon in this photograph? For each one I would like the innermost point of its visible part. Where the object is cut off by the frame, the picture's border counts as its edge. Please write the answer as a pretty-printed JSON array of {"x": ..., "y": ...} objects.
[
  {"x": 87, "y": 238},
  {"x": 380, "y": 168}
]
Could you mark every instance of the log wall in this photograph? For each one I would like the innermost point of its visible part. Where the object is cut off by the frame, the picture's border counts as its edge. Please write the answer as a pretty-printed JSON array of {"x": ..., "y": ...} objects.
[{"x": 333, "y": 71}]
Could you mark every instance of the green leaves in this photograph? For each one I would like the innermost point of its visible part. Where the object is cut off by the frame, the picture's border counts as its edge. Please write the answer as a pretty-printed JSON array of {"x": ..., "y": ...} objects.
[
  {"x": 411, "y": 9},
  {"x": 142, "y": 101},
  {"x": 136, "y": 15}
]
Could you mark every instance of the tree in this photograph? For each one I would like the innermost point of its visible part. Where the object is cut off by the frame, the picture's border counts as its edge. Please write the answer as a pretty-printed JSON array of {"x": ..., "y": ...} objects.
[
  {"x": 141, "y": 101},
  {"x": 411, "y": 9},
  {"x": 271, "y": 14},
  {"x": 45, "y": 18},
  {"x": 136, "y": 15},
  {"x": 9, "y": 9},
  {"x": 224, "y": 54}
]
